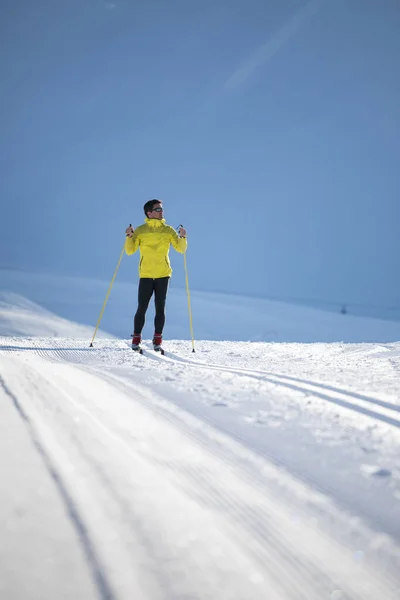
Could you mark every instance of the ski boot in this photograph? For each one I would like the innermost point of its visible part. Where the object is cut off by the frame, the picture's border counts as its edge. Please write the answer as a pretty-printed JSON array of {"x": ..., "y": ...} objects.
[
  {"x": 136, "y": 339},
  {"x": 157, "y": 343}
]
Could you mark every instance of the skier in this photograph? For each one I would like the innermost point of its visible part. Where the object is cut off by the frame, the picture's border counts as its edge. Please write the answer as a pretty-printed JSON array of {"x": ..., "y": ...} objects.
[{"x": 153, "y": 239}]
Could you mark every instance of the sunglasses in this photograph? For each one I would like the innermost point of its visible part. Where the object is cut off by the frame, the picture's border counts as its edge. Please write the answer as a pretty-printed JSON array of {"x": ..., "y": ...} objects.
[{"x": 158, "y": 209}]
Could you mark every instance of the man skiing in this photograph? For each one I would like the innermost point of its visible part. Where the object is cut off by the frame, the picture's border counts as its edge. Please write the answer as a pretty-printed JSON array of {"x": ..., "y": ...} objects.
[{"x": 153, "y": 239}]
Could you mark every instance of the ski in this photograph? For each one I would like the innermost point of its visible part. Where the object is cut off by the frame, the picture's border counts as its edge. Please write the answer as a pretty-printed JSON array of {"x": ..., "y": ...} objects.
[{"x": 140, "y": 350}]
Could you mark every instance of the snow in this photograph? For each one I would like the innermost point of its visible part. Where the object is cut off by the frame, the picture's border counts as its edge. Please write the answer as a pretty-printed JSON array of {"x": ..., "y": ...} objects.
[
  {"x": 215, "y": 316},
  {"x": 20, "y": 316},
  {"x": 246, "y": 470},
  {"x": 32, "y": 558}
]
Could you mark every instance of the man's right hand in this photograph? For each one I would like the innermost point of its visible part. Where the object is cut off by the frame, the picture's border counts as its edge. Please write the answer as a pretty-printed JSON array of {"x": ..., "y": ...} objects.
[{"x": 129, "y": 231}]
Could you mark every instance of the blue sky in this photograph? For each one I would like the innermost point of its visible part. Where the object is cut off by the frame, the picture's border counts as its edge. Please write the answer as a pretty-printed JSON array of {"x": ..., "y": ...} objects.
[{"x": 270, "y": 129}]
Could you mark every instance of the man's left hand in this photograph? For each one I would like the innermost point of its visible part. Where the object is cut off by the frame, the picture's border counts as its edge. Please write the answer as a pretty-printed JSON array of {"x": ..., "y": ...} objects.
[{"x": 182, "y": 232}]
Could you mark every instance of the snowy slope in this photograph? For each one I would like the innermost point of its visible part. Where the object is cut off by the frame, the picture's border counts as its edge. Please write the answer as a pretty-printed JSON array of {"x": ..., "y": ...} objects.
[
  {"x": 215, "y": 316},
  {"x": 20, "y": 316},
  {"x": 246, "y": 470}
]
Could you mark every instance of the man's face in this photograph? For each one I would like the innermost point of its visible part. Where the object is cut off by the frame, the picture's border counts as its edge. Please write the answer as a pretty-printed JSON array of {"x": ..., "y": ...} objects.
[{"x": 157, "y": 212}]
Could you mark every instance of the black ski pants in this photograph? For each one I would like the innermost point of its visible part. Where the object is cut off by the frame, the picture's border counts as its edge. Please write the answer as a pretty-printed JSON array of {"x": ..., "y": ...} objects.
[{"x": 146, "y": 288}]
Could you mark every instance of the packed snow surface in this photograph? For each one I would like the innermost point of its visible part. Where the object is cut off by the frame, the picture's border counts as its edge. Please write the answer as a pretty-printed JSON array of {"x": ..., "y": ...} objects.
[{"x": 242, "y": 471}]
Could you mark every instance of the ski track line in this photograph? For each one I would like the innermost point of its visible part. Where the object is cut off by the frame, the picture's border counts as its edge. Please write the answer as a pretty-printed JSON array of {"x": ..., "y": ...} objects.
[
  {"x": 99, "y": 576},
  {"x": 308, "y": 573},
  {"x": 383, "y": 411},
  {"x": 323, "y": 386}
]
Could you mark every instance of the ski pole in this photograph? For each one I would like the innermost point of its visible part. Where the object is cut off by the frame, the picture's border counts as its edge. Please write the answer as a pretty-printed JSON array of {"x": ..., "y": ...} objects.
[
  {"x": 107, "y": 295},
  {"x": 188, "y": 296}
]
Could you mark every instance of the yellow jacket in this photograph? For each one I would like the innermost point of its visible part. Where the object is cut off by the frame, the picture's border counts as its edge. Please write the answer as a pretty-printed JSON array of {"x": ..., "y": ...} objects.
[{"x": 153, "y": 239}]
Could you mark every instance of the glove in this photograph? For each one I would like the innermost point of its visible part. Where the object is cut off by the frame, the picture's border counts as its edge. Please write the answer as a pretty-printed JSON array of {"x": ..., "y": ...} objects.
[{"x": 129, "y": 231}]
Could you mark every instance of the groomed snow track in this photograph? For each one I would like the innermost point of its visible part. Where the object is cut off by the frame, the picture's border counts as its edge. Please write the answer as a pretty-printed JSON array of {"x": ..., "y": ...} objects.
[{"x": 162, "y": 502}]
